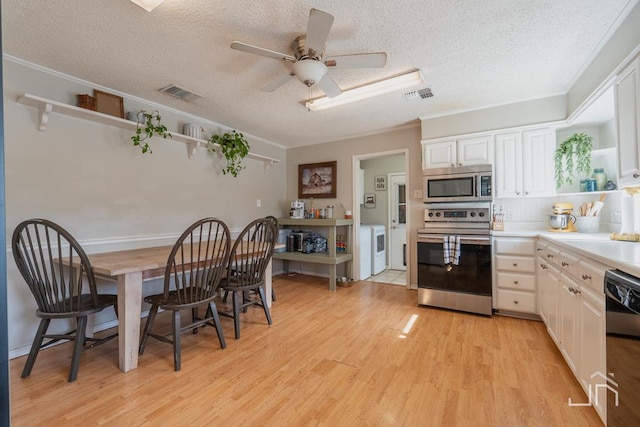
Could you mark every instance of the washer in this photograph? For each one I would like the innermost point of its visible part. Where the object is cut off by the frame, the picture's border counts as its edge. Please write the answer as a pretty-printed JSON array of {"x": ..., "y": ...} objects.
[
  {"x": 365, "y": 252},
  {"x": 379, "y": 244}
]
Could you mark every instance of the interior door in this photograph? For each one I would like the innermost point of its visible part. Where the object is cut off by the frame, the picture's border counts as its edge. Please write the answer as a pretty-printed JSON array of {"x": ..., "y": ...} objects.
[{"x": 397, "y": 222}]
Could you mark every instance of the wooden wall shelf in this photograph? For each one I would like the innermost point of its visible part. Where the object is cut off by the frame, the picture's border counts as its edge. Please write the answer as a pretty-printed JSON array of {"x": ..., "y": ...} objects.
[{"x": 46, "y": 107}]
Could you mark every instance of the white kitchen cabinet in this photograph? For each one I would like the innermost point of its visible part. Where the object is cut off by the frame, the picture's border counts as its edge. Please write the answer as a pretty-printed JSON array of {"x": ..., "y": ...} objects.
[
  {"x": 514, "y": 275},
  {"x": 572, "y": 305},
  {"x": 627, "y": 113},
  {"x": 457, "y": 152},
  {"x": 524, "y": 165}
]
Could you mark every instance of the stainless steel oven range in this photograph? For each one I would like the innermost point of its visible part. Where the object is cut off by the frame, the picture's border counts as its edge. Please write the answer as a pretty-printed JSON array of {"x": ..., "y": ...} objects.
[{"x": 466, "y": 286}]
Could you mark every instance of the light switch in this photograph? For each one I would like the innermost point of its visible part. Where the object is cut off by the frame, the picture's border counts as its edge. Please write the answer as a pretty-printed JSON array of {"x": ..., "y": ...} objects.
[
  {"x": 417, "y": 194},
  {"x": 258, "y": 202}
]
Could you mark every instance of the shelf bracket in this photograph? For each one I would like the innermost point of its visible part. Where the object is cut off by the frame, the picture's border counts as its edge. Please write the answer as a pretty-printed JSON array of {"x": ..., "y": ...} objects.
[
  {"x": 266, "y": 164},
  {"x": 191, "y": 149},
  {"x": 44, "y": 111}
]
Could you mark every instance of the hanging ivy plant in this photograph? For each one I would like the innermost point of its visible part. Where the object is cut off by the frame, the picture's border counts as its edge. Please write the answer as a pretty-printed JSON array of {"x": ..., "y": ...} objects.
[
  {"x": 234, "y": 148},
  {"x": 149, "y": 124},
  {"x": 572, "y": 157}
]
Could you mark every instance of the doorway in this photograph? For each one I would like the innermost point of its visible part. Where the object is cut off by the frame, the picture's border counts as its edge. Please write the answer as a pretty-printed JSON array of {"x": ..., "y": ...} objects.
[
  {"x": 397, "y": 221},
  {"x": 372, "y": 180}
]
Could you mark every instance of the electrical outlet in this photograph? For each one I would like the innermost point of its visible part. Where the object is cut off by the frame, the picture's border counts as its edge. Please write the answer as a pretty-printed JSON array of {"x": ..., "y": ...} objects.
[
  {"x": 509, "y": 216},
  {"x": 417, "y": 194},
  {"x": 258, "y": 203}
]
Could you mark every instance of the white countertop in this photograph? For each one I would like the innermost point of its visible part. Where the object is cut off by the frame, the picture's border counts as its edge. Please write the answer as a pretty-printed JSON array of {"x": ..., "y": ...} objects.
[{"x": 624, "y": 256}]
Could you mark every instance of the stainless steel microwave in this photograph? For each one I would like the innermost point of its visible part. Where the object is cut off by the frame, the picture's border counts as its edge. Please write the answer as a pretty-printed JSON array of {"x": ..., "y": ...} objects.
[{"x": 457, "y": 184}]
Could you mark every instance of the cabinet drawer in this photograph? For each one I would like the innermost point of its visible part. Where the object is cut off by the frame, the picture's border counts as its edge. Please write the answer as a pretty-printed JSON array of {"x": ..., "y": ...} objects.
[
  {"x": 591, "y": 274},
  {"x": 569, "y": 263},
  {"x": 521, "y": 282},
  {"x": 524, "y": 302},
  {"x": 515, "y": 263},
  {"x": 514, "y": 246},
  {"x": 541, "y": 249}
]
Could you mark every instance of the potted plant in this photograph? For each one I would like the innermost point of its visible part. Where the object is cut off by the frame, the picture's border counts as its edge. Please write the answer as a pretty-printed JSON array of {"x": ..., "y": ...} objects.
[
  {"x": 234, "y": 148},
  {"x": 149, "y": 124},
  {"x": 572, "y": 157}
]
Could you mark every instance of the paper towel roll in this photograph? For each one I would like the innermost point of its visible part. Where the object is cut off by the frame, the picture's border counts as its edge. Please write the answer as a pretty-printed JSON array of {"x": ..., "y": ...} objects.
[{"x": 630, "y": 215}]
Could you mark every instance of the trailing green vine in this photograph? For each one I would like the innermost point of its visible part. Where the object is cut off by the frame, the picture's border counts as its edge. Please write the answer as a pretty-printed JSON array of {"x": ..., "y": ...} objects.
[
  {"x": 149, "y": 124},
  {"x": 572, "y": 157},
  {"x": 234, "y": 148}
]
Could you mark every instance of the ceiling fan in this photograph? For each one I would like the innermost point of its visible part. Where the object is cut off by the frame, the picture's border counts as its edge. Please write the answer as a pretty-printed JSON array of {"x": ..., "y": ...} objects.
[{"x": 307, "y": 63}]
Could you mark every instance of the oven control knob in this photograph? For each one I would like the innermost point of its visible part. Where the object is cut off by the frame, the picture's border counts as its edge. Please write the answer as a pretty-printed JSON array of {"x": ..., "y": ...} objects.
[
  {"x": 438, "y": 214},
  {"x": 481, "y": 214},
  {"x": 430, "y": 214},
  {"x": 473, "y": 214}
]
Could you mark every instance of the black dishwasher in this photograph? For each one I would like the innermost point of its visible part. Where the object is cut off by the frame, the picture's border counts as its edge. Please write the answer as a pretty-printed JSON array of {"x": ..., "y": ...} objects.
[{"x": 623, "y": 348}]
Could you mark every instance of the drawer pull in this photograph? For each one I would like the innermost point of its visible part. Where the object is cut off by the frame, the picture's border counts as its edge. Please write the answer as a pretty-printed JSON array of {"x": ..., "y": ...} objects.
[
  {"x": 515, "y": 282},
  {"x": 539, "y": 249},
  {"x": 542, "y": 266},
  {"x": 515, "y": 264},
  {"x": 549, "y": 256},
  {"x": 586, "y": 277},
  {"x": 564, "y": 264},
  {"x": 515, "y": 301}
]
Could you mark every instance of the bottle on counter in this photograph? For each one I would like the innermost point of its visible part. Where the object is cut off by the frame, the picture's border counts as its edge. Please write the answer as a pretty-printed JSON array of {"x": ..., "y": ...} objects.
[{"x": 601, "y": 178}]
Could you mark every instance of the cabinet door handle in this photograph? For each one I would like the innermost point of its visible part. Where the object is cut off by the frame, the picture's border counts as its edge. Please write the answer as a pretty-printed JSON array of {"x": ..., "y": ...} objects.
[
  {"x": 515, "y": 301},
  {"x": 515, "y": 282},
  {"x": 539, "y": 249},
  {"x": 549, "y": 256},
  {"x": 459, "y": 164},
  {"x": 586, "y": 277},
  {"x": 526, "y": 193},
  {"x": 564, "y": 264},
  {"x": 515, "y": 264},
  {"x": 517, "y": 193},
  {"x": 543, "y": 266},
  {"x": 635, "y": 175},
  {"x": 452, "y": 164}
]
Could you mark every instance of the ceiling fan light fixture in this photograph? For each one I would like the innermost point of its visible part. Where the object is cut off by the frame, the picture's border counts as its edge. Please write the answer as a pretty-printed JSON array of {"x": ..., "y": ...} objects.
[
  {"x": 309, "y": 71},
  {"x": 148, "y": 5},
  {"x": 370, "y": 90}
]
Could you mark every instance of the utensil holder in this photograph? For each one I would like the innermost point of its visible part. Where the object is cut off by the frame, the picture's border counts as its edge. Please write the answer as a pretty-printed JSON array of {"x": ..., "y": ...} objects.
[{"x": 588, "y": 224}]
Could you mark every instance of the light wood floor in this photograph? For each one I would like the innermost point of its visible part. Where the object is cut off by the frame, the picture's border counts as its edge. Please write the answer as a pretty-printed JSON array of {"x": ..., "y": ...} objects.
[{"x": 329, "y": 359}]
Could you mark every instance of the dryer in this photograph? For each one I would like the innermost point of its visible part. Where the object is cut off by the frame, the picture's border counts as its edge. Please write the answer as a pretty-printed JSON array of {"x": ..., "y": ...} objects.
[{"x": 379, "y": 245}]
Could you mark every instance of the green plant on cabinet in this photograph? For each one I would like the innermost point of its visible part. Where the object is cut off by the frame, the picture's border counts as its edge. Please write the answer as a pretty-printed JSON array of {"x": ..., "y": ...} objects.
[
  {"x": 234, "y": 148},
  {"x": 149, "y": 125},
  {"x": 573, "y": 156}
]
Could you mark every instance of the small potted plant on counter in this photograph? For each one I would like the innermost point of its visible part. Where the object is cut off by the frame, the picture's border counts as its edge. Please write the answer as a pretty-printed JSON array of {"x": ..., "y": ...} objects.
[
  {"x": 573, "y": 156},
  {"x": 149, "y": 125},
  {"x": 234, "y": 148}
]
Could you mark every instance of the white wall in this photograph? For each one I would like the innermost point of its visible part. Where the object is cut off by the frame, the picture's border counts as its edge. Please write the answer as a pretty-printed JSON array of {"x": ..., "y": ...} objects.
[{"x": 91, "y": 180}]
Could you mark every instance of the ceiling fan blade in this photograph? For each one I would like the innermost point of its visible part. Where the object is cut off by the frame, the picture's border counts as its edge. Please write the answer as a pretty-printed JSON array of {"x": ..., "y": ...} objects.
[
  {"x": 270, "y": 87},
  {"x": 329, "y": 87},
  {"x": 244, "y": 47},
  {"x": 358, "y": 60},
  {"x": 317, "y": 31}
]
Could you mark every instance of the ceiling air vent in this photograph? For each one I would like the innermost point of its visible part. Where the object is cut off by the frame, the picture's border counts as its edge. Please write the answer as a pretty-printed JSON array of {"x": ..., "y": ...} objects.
[
  {"x": 418, "y": 95},
  {"x": 179, "y": 92}
]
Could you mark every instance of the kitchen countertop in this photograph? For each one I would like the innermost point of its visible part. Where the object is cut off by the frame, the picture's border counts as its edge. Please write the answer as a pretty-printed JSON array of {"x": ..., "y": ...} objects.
[{"x": 624, "y": 256}]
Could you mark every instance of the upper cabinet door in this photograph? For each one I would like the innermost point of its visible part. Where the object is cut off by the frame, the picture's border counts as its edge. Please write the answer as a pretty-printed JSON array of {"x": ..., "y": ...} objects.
[
  {"x": 475, "y": 151},
  {"x": 439, "y": 154},
  {"x": 507, "y": 172},
  {"x": 538, "y": 168},
  {"x": 627, "y": 100}
]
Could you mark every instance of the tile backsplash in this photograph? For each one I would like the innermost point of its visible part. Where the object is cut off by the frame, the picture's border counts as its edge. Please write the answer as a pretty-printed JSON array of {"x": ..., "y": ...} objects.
[{"x": 536, "y": 209}]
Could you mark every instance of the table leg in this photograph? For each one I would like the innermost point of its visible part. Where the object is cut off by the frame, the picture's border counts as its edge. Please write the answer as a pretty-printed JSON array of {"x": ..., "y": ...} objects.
[
  {"x": 332, "y": 277},
  {"x": 267, "y": 282},
  {"x": 129, "y": 306}
]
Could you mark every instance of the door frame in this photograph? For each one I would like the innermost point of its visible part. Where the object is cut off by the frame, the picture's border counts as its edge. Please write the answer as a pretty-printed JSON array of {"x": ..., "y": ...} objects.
[{"x": 355, "y": 179}]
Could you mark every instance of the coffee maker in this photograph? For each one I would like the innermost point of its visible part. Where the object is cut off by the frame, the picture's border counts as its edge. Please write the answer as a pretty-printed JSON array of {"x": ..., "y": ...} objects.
[{"x": 297, "y": 209}]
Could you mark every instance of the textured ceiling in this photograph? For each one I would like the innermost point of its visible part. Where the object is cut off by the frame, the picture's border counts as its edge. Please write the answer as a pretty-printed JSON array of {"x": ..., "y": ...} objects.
[{"x": 473, "y": 54}]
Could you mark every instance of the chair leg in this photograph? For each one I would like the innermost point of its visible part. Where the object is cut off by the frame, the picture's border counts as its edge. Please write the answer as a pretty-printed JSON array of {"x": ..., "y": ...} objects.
[
  {"x": 236, "y": 313},
  {"x": 264, "y": 304},
  {"x": 273, "y": 295},
  {"x": 35, "y": 347},
  {"x": 226, "y": 294},
  {"x": 77, "y": 348},
  {"x": 176, "y": 340},
  {"x": 147, "y": 327},
  {"x": 213, "y": 310}
]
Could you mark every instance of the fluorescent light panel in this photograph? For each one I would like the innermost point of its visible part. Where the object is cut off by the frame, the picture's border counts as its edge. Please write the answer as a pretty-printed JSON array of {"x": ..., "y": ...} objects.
[
  {"x": 148, "y": 5},
  {"x": 380, "y": 87}
]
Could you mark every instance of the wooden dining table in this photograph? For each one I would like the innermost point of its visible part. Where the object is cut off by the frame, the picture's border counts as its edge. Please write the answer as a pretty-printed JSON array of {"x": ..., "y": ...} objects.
[{"x": 130, "y": 268}]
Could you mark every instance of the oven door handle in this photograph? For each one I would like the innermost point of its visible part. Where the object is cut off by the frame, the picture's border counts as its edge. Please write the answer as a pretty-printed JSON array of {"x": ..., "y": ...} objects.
[{"x": 464, "y": 240}]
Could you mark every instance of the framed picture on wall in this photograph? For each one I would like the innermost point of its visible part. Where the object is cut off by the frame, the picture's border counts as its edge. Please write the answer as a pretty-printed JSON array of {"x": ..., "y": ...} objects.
[
  {"x": 381, "y": 183},
  {"x": 369, "y": 200},
  {"x": 317, "y": 180}
]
